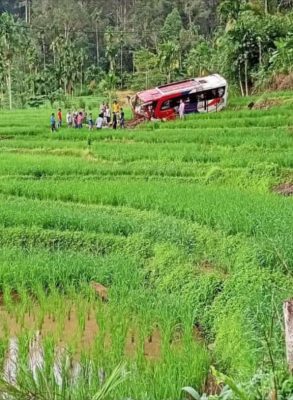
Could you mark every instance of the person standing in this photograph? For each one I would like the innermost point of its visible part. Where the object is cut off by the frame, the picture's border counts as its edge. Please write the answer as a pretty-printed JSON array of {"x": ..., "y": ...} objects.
[
  {"x": 99, "y": 121},
  {"x": 114, "y": 125},
  {"x": 116, "y": 107},
  {"x": 116, "y": 110},
  {"x": 91, "y": 122},
  {"x": 108, "y": 114},
  {"x": 122, "y": 118},
  {"x": 181, "y": 109},
  {"x": 79, "y": 120},
  {"x": 69, "y": 119},
  {"x": 75, "y": 118},
  {"x": 53, "y": 123},
  {"x": 59, "y": 116}
]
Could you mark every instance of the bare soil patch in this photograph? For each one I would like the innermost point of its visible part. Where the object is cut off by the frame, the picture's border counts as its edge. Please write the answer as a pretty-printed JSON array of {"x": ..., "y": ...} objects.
[
  {"x": 15, "y": 297},
  {"x": 79, "y": 328},
  {"x": 285, "y": 189},
  {"x": 135, "y": 122},
  {"x": 211, "y": 386},
  {"x": 152, "y": 346},
  {"x": 124, "y": 95},
  {"x": 207, "y": 267},
  {"x": 100, "y": 291},
  {"x": 282, "y": 82},
  {"x": 267, "y": 104},
  {"x": 67, "y": 331}
]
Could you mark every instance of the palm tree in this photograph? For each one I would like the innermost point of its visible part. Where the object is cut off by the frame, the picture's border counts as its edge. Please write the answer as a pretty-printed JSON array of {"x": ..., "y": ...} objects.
[
  {"x": 68, "y": 62},
  {"x": 230, "y": 9},
  {"x": 169, "y": 58},
  {"x": 10, "y": 40}
]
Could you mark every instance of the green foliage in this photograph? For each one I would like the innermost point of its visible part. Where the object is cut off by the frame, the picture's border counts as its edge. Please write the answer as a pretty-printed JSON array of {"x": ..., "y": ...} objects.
[
  {"x": 42, "y": 389},
  {"x": 234, "y": 347},
  {"x": 82, "y": 104},
  {"x": 200, "y": 58},
  {"x": 169, "y": 59},
  {"x": 10, "y": 48},
  {"x": 182, "y": 226},
  {"x": 108, "y": 86},
  {"x": 237, "y": 391},
  {"x": 36, "y": 102},
  {"x": 81, "y": 49},
  {"x": 229, "y": 10},
  {"x": 214, "y": 174},
  {"x": 282, "y": 58},
  {"x": 172, "y": 27},
  {"x": 147, "y": 73}
]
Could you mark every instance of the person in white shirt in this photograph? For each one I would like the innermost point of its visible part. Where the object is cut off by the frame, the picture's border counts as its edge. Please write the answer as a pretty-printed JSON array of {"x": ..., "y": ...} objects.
[
  {"x": 69, "y": 119},
  {"x": 181, "y": 109},
  {"x": 99, "y": 121},
  {"x": 107, "y": 114}
]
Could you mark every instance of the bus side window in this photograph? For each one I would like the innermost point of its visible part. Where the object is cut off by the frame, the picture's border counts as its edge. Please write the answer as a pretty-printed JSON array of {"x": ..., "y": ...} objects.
[
  {"x": 175, "y": 102},
  {"x": 221, "y": 92},
  {"x": 191, "y": 103},
  {"x": 172, "y": 103},
  {"x": 166, "y": 105},
  {"x": 200, "y": 97},
  {"x": 211, "y": 94}
]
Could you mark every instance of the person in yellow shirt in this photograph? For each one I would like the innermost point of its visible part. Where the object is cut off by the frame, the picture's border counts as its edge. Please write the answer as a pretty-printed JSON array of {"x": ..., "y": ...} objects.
[{"x": 116, "y": 109}]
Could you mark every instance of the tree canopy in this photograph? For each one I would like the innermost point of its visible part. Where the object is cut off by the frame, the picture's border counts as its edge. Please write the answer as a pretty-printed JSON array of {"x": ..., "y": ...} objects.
[{"x": 71, "y": 46}]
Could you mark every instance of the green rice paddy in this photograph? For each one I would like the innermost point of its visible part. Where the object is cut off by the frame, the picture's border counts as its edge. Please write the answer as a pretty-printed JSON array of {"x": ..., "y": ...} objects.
[{"x": 180, "y": 222}]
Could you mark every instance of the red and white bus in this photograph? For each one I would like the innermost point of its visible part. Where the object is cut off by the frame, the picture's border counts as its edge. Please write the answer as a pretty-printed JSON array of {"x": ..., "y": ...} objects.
[{"x": 200, "y": 95}]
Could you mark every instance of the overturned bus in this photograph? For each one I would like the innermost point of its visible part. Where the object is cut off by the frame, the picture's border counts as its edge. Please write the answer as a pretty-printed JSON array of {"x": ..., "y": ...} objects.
[{"x": 200, "y": 95}]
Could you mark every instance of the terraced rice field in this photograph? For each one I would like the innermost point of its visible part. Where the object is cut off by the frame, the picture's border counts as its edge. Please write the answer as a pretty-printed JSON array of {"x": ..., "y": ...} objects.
[{"x": 181, "y": 224}]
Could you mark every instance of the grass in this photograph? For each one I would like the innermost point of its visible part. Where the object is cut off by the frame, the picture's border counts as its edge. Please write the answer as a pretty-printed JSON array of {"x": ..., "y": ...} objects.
[{"x": 178, "y": 220}]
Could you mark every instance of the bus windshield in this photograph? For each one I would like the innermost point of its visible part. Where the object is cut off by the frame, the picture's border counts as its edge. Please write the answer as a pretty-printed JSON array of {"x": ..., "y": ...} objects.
[{"x": 143, "y": 109}]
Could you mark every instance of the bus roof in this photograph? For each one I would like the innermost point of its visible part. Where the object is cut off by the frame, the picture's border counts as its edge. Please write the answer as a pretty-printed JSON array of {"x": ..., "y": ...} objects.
[{"x": 184, "y": 87}]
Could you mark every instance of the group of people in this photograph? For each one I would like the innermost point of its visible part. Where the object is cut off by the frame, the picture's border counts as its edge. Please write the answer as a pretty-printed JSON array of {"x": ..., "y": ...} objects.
[{"x": 107, "y": 118}]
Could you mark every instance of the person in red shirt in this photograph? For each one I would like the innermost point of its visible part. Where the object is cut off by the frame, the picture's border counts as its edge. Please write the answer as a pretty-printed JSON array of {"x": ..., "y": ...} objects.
[
  {"x": 59, "y": 117},
  {"x": 79, "y": 120}
]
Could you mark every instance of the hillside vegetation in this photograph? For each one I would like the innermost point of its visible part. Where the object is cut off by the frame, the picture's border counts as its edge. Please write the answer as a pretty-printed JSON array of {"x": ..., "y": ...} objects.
[
  {"x": 180, "y": 221},
  {"x": 96, "y": 47}
]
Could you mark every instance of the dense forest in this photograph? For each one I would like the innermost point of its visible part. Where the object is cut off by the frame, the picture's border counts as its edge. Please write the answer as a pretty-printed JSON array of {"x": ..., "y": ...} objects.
[{"x": 51, "y": 48}]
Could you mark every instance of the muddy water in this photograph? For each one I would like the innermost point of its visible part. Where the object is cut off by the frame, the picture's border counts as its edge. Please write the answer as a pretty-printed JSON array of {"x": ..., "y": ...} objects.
[
  {"x": 36, "y": 357},
  {"x": 66, "y": 331},
  {"x": 36, "y": 361}
]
